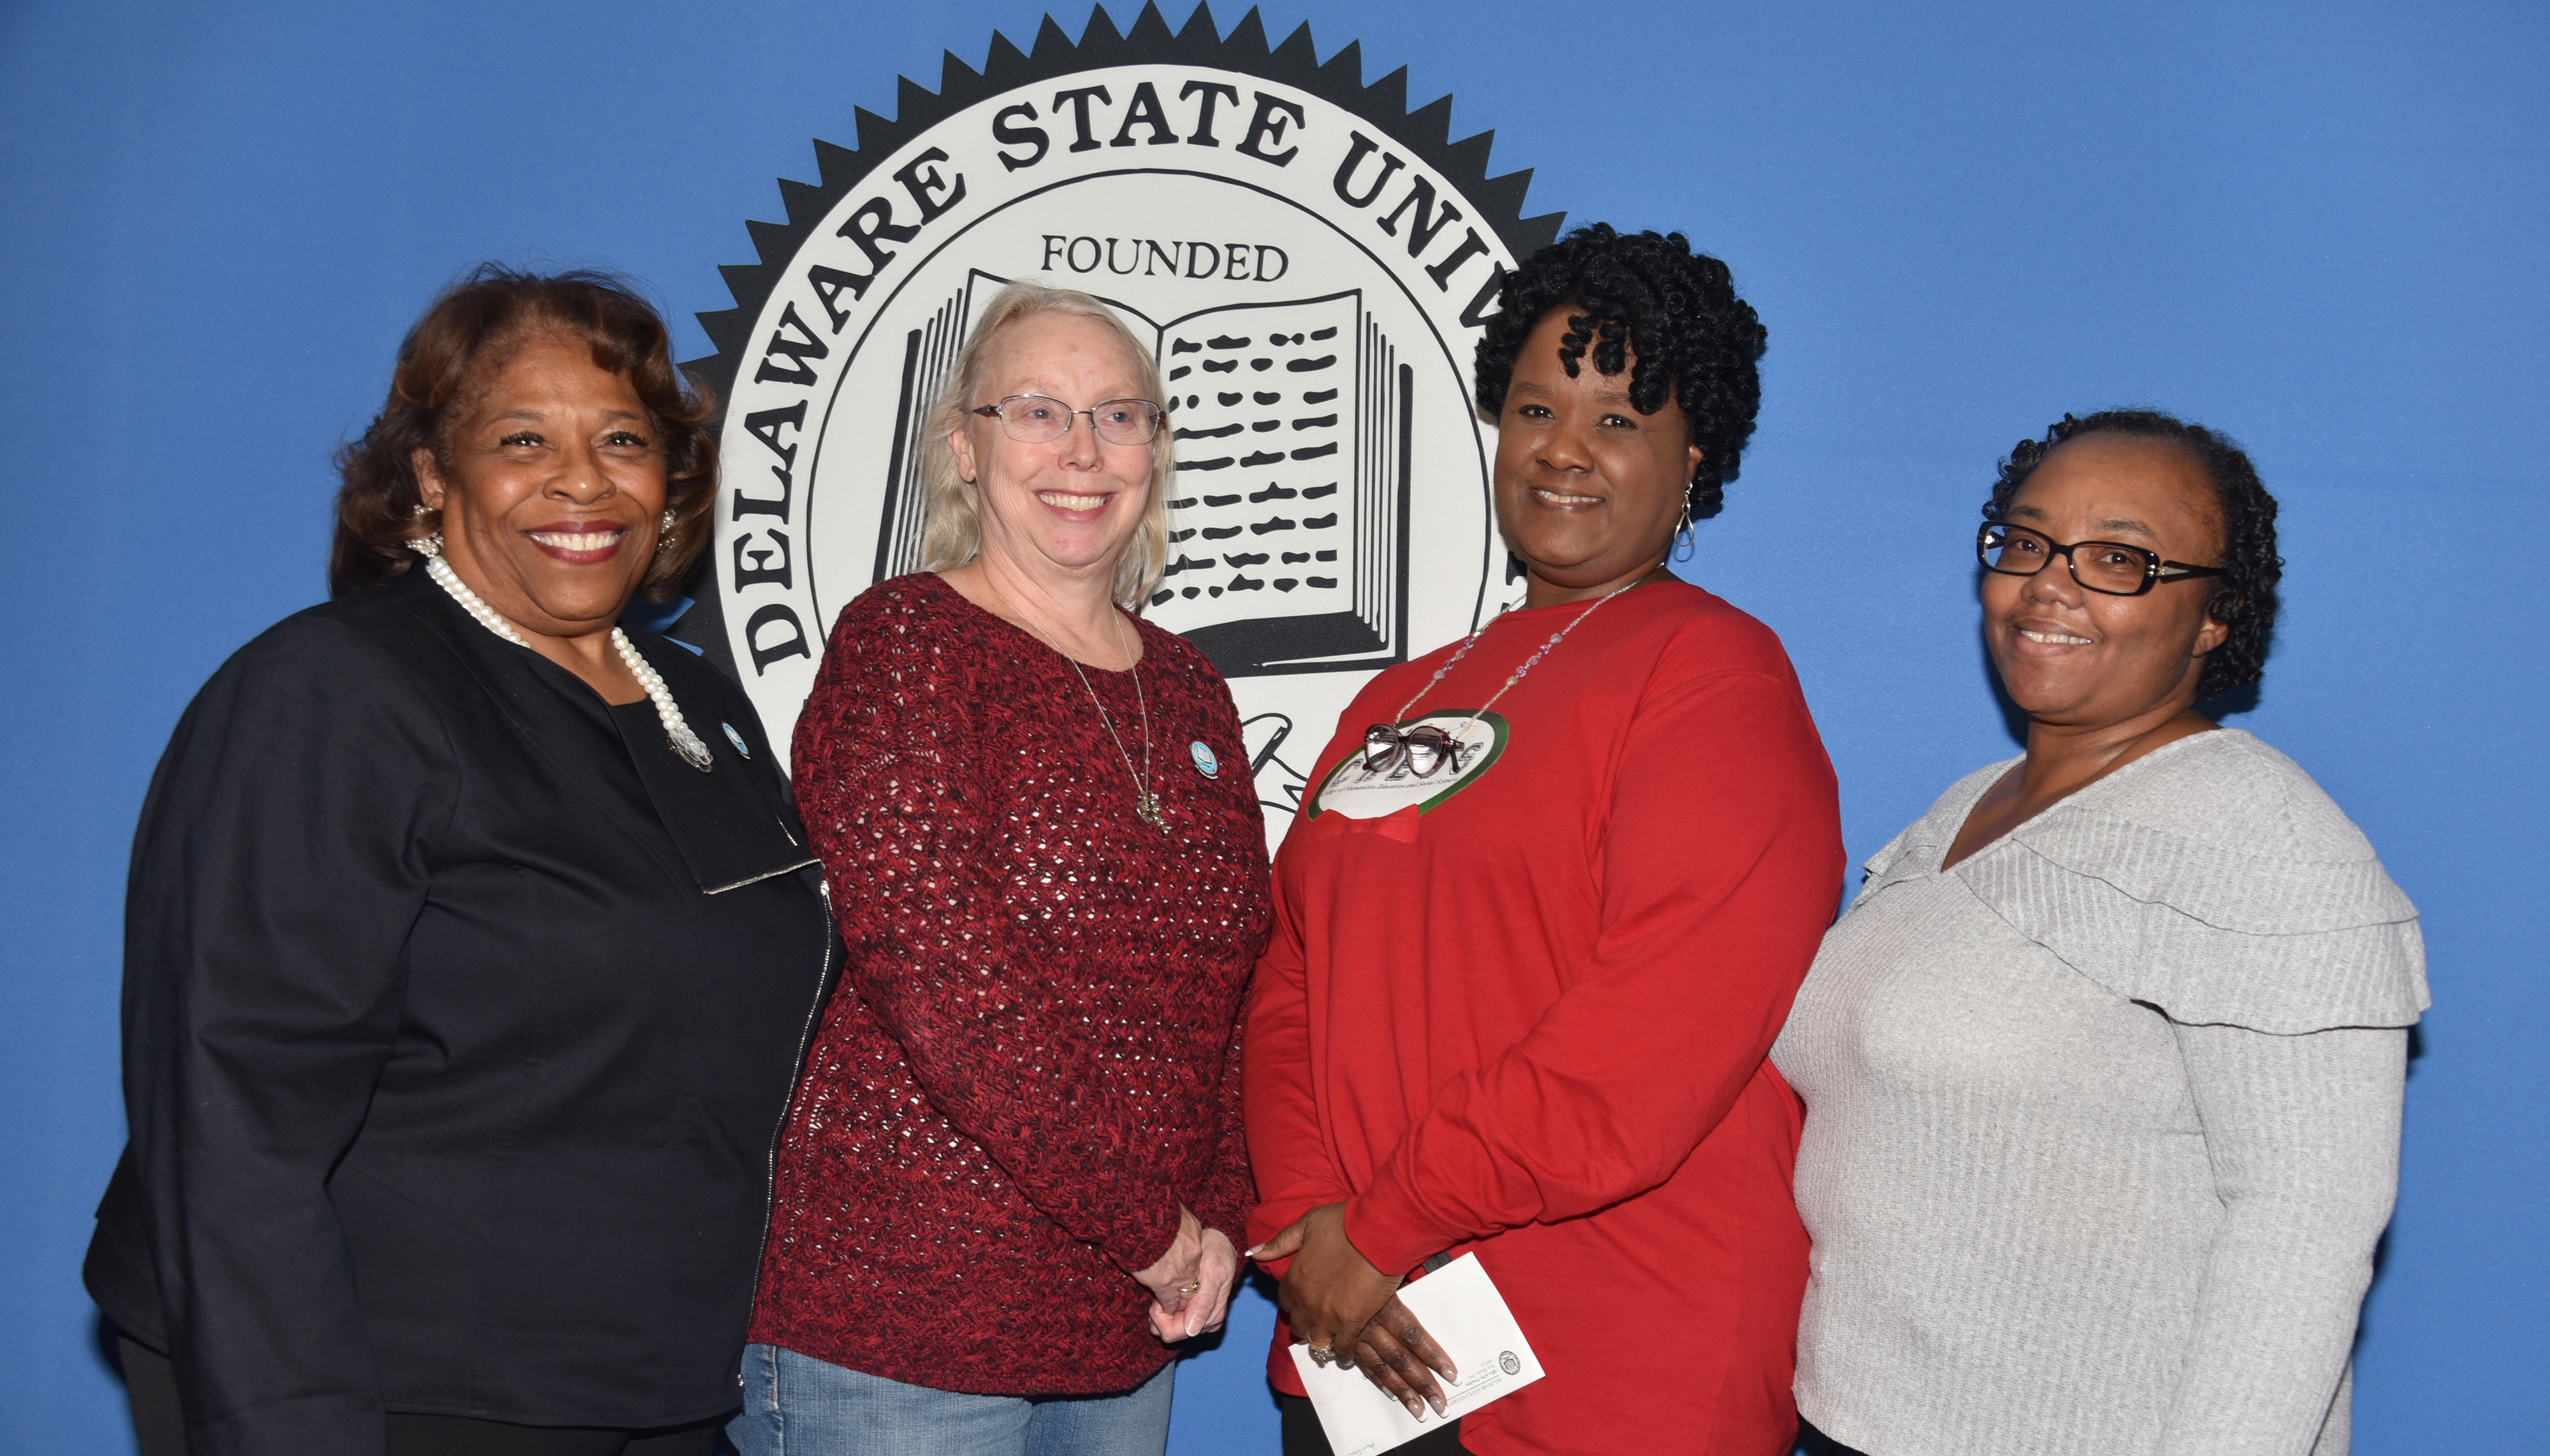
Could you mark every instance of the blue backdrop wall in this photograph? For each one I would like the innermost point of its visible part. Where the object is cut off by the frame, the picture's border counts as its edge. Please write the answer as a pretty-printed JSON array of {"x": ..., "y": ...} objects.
[{"x": 2321, "y": 227}]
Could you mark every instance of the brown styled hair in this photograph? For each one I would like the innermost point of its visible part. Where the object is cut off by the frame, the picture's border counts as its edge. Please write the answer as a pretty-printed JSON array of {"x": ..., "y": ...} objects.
[{"x": 468, "y": 333}]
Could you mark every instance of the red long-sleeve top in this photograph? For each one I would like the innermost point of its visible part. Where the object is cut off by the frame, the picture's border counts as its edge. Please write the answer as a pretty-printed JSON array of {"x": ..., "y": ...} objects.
[
  {"x": 1535, "y": 1028},
  {"x": 1032, "y": 1060}
]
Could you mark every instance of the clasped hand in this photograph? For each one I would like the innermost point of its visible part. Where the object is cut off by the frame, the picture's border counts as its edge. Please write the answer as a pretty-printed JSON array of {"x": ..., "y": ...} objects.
[
  {"x": 1191, "y": 1284},
  {"x": 1337, "y": 1301}
]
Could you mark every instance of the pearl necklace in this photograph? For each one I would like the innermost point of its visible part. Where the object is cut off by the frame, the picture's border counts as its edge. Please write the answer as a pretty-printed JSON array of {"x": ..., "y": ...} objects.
[{"x": 677, "y": 732}]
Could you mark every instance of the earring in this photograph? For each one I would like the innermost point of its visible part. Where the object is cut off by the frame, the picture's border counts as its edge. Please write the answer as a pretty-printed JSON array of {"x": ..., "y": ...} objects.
[
  {"x": 1685, "y": 543},
  {"x": 664, "y": 536},
  {"x": 431, "y": 543}
]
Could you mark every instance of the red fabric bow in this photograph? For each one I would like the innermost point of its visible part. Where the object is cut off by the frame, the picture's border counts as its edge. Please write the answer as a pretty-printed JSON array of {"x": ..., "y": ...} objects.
[{"x": 1401, "y": 825}]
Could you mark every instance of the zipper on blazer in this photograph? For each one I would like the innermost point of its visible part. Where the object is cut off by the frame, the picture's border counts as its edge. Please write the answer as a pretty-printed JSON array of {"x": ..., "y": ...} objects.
[{"x": 795, "y": 1088}]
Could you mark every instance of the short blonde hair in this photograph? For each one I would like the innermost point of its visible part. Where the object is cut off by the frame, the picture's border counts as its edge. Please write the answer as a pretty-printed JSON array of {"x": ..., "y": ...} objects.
[{"x": 952, "y": 530}]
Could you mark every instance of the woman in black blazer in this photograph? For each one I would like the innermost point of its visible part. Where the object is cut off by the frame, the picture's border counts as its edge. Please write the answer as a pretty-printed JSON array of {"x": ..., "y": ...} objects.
[{"x": 469, "y": 946}]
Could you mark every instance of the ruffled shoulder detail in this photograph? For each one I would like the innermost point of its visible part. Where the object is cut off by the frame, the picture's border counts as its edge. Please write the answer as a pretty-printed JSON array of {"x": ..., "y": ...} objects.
[
  {"x": 2215, "y": 881},
  {"x": 1924, "y": 842}
]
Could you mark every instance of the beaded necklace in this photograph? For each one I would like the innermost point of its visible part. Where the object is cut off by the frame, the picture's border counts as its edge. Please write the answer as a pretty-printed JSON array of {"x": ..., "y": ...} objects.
[{"x": 1519, "y": 674}]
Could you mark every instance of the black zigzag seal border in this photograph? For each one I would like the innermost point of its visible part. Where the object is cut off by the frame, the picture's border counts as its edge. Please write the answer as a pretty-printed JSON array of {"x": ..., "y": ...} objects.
[{"x": 1426, "y": 131}]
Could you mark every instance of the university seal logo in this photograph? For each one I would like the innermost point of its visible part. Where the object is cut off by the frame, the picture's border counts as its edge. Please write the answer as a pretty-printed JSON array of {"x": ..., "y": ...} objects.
[{"x": 1313, "y": 262}]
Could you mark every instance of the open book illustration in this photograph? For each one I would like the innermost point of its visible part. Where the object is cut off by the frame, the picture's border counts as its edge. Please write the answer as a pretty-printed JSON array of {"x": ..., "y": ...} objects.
[{"x": 1289, "y": 508}]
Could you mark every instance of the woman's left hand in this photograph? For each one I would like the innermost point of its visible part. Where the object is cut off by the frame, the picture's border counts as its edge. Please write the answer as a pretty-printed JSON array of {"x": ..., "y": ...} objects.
[
  {"x": 1204, "y": 1307},
  {"x": 1333, "y": 1291},
  {"x": 1396, "y": 1353},
  {"x": 1191, "y": 1284}
]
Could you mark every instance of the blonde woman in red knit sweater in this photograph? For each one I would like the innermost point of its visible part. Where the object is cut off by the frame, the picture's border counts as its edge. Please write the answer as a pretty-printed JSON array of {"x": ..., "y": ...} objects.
[{"x": 1009, "y": 1179}]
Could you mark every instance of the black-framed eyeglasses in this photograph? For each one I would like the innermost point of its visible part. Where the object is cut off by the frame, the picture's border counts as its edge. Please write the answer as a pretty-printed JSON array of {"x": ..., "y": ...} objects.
[
  {"x": 2110, "y": 567},
  {"x": 1423, "y": 748},
  {"x": 1035, "y": 419}
]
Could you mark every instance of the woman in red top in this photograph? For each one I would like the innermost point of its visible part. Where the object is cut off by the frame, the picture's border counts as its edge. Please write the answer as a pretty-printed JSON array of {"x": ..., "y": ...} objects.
[
  {"x": 1537, "y": 926},
  {"x": 1010, "y": 1172}
]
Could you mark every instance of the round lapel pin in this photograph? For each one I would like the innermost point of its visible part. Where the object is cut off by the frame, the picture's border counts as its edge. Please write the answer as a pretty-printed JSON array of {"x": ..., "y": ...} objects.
[
  {"x": 1204, "y": 761},
  {"x": 737, "y": 740}
]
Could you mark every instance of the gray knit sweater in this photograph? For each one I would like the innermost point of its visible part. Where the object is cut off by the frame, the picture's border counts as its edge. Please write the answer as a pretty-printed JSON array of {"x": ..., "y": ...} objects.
[{"x": 2102, "y": 1123}]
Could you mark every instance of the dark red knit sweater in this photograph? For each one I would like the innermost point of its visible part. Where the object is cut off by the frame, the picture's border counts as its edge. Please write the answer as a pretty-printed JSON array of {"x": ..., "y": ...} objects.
[{"x": 1032, "y": 1060}]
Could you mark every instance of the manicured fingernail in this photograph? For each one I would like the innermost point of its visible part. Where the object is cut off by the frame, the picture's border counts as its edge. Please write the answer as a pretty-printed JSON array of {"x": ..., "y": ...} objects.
[{"x": 1254, "y": 1250}]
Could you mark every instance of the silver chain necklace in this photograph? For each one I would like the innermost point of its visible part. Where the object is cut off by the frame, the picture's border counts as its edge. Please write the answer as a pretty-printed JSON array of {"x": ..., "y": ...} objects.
[
  {"x": 1519, "y": 674},
  {"x": 1147, "y": 805},
  {"x": 685, "y": 742}
]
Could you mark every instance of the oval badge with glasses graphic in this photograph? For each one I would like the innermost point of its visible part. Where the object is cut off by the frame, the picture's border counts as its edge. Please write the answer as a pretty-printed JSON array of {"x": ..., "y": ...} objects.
[{"x": 1414, "y": 764}]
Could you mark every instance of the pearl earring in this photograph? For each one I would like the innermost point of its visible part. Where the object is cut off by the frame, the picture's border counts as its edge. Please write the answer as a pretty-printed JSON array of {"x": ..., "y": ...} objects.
[
  {"x": 665, "y": 538},
  {"x": 430, "y": 544}
]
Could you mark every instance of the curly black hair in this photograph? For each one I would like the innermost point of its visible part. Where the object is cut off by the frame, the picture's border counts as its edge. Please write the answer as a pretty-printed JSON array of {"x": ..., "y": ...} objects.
[
  {"x": 2245, "y": 597},
  {"x": 1650, "y": 293}
]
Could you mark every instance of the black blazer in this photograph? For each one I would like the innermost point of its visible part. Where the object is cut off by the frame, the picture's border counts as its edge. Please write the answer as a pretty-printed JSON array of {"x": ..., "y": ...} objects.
[{"x": 448, "y": 1088}]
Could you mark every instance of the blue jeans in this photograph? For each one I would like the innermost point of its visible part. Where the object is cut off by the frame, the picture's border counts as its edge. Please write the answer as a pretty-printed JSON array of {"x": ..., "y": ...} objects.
[{"x": 798, "y": 1406}]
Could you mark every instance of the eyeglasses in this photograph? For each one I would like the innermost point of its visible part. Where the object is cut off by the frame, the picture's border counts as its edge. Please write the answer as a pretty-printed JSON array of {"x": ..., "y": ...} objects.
[
  {"x": 2110, "y": 567},
  {"x": 1423, "y": 750},
  {"x": 1035, "y": 419}
]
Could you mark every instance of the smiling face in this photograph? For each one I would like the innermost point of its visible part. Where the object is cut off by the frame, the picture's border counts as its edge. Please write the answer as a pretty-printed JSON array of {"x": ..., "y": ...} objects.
[
  {"x": 549, "y": 509},
  {"x": 1589, "y": 491},
  {"x": 2090, "y": 660},
  {"x": 1061, "y": 508}
]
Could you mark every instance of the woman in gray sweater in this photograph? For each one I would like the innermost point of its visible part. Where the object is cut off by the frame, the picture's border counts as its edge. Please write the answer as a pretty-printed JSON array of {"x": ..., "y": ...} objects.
[{"x": 2103, "y": 1068}]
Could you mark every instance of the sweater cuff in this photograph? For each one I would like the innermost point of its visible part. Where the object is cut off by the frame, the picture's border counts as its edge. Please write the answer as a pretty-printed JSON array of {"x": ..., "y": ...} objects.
[
  {"x": 1140, "y": 1244},
  {"x": 1390, "y": 1231},
  {"x": 1226, "y": 1209}
]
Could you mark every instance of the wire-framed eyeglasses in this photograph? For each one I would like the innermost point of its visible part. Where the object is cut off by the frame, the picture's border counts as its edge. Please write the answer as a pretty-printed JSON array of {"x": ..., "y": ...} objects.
[
  {"x": 1035, "y": 419},
  {"x": 1420, "y": 750},
  {"x": 2110, "y": 567}
]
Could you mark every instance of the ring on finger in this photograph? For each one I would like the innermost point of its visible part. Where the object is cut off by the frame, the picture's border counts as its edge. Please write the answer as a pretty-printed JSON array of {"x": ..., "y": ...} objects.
[{"x": 1191, "y": 1286}]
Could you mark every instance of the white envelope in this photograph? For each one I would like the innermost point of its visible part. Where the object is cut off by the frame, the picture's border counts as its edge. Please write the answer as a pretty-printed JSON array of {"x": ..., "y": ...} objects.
[{"x": 1459, "y": 1305}]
